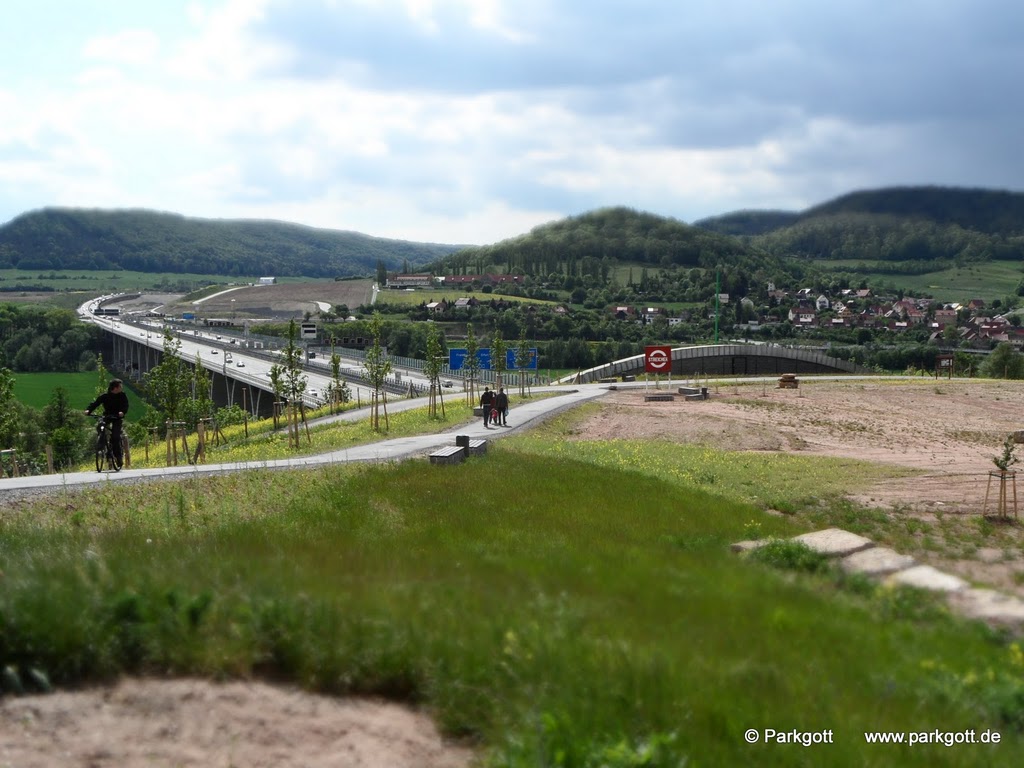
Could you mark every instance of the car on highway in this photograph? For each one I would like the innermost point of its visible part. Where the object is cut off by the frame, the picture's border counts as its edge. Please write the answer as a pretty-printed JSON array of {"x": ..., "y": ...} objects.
[{"x": 240, "y": 364}]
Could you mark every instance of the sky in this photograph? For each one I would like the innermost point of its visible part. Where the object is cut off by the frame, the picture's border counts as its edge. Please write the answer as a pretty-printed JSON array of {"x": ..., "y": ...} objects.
[{"x": 472, "y": 121}]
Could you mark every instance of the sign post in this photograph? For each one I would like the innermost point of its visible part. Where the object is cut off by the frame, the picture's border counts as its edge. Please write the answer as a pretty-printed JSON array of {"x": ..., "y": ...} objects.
[
  {"x": 658, "y": 359},
  {"x": 944, "y": 364}
]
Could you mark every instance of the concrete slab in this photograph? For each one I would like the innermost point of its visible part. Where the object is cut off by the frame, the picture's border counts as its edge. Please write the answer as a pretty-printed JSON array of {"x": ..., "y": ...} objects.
[
  {"x": 834, "y": 542},
  {"x": 876, "y": 561},
  {"x": 989, "y": 605},
  {"x": 927, "y": 577}
]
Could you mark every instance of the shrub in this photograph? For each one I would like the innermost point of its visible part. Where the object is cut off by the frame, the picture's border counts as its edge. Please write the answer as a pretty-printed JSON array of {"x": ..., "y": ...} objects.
[{"x": 791, "y": 555}]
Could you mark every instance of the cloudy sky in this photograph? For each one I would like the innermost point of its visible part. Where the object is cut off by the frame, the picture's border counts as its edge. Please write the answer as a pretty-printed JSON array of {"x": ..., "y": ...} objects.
[{"x": 469, "y": 121}]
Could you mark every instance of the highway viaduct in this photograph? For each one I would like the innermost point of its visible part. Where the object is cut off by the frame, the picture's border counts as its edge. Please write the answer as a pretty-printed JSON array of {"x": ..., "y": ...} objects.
[{"x": 239, "y": 369}]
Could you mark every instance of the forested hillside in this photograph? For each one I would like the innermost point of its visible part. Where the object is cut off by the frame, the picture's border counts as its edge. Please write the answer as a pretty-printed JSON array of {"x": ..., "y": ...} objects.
[
  {"x": 993, "y": 212},
  {"x": 909, "y": 229},
  {"x": 913, "y": 230},
  {"x": 147, "y": 241},
  {"x": 915, "y": 227},
  {"x": 593, "y": 242}
]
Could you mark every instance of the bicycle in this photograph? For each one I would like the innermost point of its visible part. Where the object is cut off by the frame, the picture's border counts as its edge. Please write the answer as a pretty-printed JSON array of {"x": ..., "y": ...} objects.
[{"x": 105, "y": 457}]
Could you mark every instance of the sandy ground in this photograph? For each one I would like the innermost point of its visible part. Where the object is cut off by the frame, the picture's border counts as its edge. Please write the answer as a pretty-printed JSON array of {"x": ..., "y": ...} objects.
[
  {"x": 948, "y": 430},
  {"x": 199, "y": 724},
  {"x": 283, "y": 300}
]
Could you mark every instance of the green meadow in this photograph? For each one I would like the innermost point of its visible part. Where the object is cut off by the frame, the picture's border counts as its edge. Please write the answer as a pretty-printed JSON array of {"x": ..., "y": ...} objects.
[
  {"x": 986, "y": 280},
  {"x": 554, "y": 603},
  {"x": 452, "y": 293},
  {"x": 36, "y": 389}
]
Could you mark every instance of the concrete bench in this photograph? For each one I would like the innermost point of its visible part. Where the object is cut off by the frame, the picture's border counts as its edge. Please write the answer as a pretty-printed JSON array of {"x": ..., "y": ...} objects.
[
  {"x": 648, "y": 398},
  {"x": 694, "y": 393},
  {"x": 472, "y": 447},
  {"x": 452, "y": 454}
]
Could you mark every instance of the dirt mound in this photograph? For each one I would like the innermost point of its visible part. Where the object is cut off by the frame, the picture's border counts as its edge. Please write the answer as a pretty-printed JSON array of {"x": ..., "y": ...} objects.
[{"x": 183, "y": 723}]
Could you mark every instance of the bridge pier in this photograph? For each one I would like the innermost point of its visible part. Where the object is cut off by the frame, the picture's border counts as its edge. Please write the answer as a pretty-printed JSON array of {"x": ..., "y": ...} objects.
[{"x": 133, "y": 358}]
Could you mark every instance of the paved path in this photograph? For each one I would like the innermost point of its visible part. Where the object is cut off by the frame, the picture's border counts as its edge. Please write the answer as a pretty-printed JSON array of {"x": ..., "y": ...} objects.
[{"x": 523, "y": 414}]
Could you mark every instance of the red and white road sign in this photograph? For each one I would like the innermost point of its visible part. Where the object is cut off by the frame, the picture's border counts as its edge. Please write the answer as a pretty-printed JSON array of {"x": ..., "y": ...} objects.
[{"x": 658, "y": 359}]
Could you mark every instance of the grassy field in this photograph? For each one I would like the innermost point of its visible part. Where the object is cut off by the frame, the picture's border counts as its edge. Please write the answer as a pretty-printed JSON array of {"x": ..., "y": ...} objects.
[
  {"x": 111, "y": 281},
  {"x": 988, "y": 280},
  {"x": 580, "y": 609},
  {"x": 36, "y": 389}
]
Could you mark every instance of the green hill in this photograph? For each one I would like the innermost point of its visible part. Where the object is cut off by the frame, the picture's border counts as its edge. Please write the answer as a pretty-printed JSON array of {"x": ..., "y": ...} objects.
[
  {"x": 920, "y": 227},
  {"x": 147, "y": 241},
  {"x": 594, "y": 242},
  {"x": 992, "y": 212},
  {"x": 906, "y": 230}
]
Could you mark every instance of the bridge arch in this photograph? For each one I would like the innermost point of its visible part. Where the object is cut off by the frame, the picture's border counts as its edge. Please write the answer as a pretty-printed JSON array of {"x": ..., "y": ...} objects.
[{"x": 726, "y": 360}]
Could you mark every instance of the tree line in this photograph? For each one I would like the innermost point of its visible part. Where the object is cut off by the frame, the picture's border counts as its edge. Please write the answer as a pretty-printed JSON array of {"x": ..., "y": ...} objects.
[{"x": 147, "y": 241}]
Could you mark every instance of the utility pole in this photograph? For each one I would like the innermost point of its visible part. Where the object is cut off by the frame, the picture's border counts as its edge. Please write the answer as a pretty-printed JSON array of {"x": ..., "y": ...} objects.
[{"x": 718, "y": 292}]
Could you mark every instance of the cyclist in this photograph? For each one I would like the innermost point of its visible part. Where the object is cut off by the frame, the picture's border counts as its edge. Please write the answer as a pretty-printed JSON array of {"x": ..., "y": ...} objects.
[{"x": 115, "y": 406}]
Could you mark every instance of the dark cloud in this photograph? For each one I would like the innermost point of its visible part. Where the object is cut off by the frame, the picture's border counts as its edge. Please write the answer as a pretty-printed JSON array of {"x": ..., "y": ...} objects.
[{"x": 863, "y": 61}]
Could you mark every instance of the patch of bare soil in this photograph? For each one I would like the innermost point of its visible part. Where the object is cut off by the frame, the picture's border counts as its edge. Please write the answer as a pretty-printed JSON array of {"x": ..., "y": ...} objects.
[
  {"x": 200, "y": 724},
  {"x": 948, "y": 430},
  {"x": 287, "y": 299}
]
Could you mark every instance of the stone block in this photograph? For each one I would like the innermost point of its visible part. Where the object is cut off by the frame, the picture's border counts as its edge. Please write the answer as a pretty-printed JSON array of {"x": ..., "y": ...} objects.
[
  {"x": 989, "y": 606},
  {"x": 876, "y": 561},
  {"x": 834, "y": 542},
  {"x": 927, "y": 577}
]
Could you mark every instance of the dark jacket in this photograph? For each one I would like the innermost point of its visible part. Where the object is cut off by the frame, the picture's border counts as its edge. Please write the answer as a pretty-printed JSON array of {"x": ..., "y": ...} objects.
[
  {"x": 487, "y": 399},
  {"x": 112, "y": 402},
  {"x": 501, "y": 402}
]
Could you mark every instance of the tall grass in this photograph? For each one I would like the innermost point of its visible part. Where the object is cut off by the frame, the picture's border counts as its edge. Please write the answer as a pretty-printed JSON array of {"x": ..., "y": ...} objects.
[
  {"x": 556, "y": 611},
  {"x": 261, "y": 441}
]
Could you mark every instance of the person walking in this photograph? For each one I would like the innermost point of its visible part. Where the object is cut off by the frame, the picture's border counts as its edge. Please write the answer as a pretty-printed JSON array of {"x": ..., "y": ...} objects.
[
  {"x": 487, "y": 403},
  {"x": 501, "y": 407},
  {"x": 115, "y": 406}
]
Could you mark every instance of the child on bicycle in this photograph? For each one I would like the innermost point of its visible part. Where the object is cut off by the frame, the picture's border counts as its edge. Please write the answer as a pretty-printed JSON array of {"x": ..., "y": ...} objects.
[{"x": 115, "y": 406}]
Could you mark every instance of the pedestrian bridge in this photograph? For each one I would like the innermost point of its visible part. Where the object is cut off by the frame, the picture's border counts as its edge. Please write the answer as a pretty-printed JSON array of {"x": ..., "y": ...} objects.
[{"x": 726, "y": 360}]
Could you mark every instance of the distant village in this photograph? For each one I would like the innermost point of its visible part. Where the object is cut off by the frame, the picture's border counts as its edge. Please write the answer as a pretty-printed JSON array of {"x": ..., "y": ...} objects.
[{"x": 973, "y": 322}]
